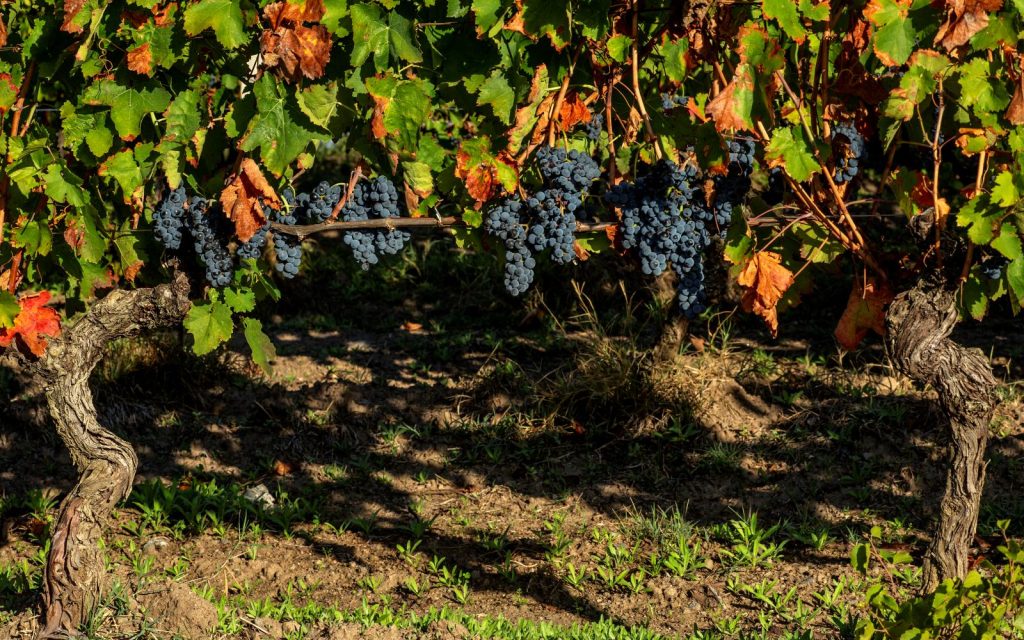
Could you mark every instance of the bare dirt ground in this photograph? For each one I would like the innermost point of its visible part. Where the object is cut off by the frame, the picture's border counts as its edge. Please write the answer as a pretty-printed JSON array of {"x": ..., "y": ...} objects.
[{"x": 539, "y": 474}]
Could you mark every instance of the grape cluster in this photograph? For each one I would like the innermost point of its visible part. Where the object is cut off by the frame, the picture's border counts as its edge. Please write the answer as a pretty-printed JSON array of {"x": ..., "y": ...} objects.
[
  {"x": 321, "y": 202},
  {"x": 287, "y": 249},
  {"x": 170, "y": 218},
  {"x": 670, "y": 101},
  {"x": 567, "y": 177},
  {"x": 847, "y": 163},
  {"x": 205, "y": 232},
  {"x": 593, "y": 128},
  {"x": 666, "y": 220},
  {"x": 732, "y": 188},
  {"x": 253, "y": 247},
  {"x": 776, "y": 190},
  {"x": 504, "y": 222},
  {"x": 994, "y": 268},
  {"x": 376, "y": 198}
]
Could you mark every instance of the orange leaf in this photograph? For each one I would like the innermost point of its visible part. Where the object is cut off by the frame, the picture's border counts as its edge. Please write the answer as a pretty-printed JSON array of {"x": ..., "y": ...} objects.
[
  {"x": 1015, "y": 112},
  {"x": 3, "y": 32},
  {"x": 525, "y": 114},
  {"x": 242, "y": 198},
  {"x": 572, "y": 112},
  {"x": 140, "y": 60},
  {"x": 764, "y": 281},
  {"x": 32, "y": 325},
  {"x": 865, "y": 311},
  {"x": 412, "y": 327},
  {"x": 964, "y": 18},
  {"x": 282, "y": 468},
  {"x": 480, "y": 180},
  {"x": 297, "y": 49},
  {"x": 924, "y": 197}
]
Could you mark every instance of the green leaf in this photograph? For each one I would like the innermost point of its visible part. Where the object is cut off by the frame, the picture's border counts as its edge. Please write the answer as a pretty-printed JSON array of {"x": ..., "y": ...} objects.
[
  {"x": 1008, "y": 243},
  {"x": 259, "y": 343},
  {"x": 64, "y": 186},
  {"x": 183, "y": 116},
  {"x": 1007, "y": 191},
  {"x": 979, "y": 217},
  {"x": 973, "y": 300},
  {"x": 9, "y": 309},
  {"x": 336, "y": 13},
  {"x": 418, "y": 176},
  {"x": 223, "y": 16},
  {"x": 895, "y": 35},
  {"x": 372, "y": 36},
  {"x": 319, "y": 103},
  {"x": 128, "y": 105},
  {"x": 982, "y": 89},
  {"x": 407, "y": 107},
  {"x": 619, "y": 48},
  {"x": 790, "y": 149},
  {"x": 785, "y": 13},
  {"x": 278, "y": 128},
  {"x": 241, "y": 300},
  {"x": 497, "y": 93},
  {"x": 548, "y": 18},
  {"x": 209, "y": 324},
  {"x": 487, "y": 14},
  {"x": 1015, "y": 277},
  {"x": 860, "y": 557},
  {"x": 99, "y": 140},
  {"x": 125, "y": 171},
  {"x": 35, "y": 237}
]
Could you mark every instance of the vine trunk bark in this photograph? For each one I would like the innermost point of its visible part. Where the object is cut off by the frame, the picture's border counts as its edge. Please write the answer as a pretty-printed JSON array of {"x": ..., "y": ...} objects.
[
  {"x": 675, "y": 327},
  {"x": 918, "y": 324},
  {"x": 74, "y": 572}
]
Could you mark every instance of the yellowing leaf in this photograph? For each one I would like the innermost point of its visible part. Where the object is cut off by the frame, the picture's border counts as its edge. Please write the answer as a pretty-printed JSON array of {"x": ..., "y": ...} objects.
[
  {"x": 764, "y": 281},
  {"x": 865, "y": 311}
]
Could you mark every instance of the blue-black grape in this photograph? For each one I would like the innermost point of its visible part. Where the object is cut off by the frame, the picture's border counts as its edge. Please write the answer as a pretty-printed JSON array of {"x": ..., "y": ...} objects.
[
  {"x": 377, "y": 198},
  {"x": 667, "y": 222},
  {"x": 567, "y": 178},
  {"x": 593, "y": 128},
  {"x": 321, "y": 202},
  {"x": 847, "y": 162},
  {"x": 504, "y": 222},
  {"x": 670, "y": 101},
  {"x": 732, "y": 188},
  {"x": 253, "y": 247},
  {"x": 206, "y": 231},
  {"x": 287, "y": 249},
  {"x": 994, "y": 267},
  {"x": 170, "y": 218}
]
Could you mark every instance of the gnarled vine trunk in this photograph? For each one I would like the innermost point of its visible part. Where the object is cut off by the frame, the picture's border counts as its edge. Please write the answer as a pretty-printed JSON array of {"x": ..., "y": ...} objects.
[
  {"x": 918, "y": 325},
  {"x": 73, "y": 576}
]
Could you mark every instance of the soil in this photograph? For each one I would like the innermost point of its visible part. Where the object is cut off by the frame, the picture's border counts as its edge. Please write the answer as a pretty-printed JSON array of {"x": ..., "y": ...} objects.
[{"x": 493, "y": 446}]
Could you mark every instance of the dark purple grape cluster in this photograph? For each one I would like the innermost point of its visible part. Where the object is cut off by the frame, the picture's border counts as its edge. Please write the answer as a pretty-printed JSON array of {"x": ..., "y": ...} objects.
[
  {"x": 994, "y": 267},
  {"x": 170, "y": 218},
  {"x": 253, "y": 247},
  {"x": 567, "y": 177},
  {"x": 732, "y": 188},
  {"x": 776, "y": 190},
  {"x": 847, "y": 163},
  {"x": 665, "y": 219},
  {"x": 504, "y": 221},
  {"x": 206, "y": 233},
  {"x": 594, "y": 127},
  {"x": 377, "y": 198},
  {"x": 669, "y": 101},
  {"x": 287, "y": 249},
  {"x": 321, "y": 202}
]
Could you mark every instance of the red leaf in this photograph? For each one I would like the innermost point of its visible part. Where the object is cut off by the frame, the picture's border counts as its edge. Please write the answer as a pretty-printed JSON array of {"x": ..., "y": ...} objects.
[
  {"x": 33, "y": 324},
  {"x": 865, "y": 311},
  {"x": 71, "y": 9},
  {"x": 297, "y": 49},
  {"x": 572, "y": 112},
  {"x": 242, "y": 199},
  {"x": 724, "y": 108},
  {"x": 764, "y": 281},
  {"x": 140, "y": 60}
]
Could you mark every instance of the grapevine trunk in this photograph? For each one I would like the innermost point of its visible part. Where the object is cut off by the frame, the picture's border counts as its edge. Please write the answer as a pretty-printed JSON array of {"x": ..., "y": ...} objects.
[
  {"x": 919, "y": 323},
  {"x": 73, "y": 576}
]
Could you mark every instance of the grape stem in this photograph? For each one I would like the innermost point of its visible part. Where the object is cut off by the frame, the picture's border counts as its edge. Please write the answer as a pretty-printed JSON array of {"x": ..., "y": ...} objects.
[
  {"x": 636, "y": 87},
  {"x": 353, "y": 179}
]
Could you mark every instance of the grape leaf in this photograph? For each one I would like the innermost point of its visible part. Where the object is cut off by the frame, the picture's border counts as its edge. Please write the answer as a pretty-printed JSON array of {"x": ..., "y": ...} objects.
[
  {"x": 9, "y": 309},
  {"x": 764, "y": 281},
  {"x": 372, "y": 36},
  {"x": 1008, "y": 242},
  {"x": 34, "y": 323},
  {"x": 259, "y": 343},
  {"x": 895, "y": 34},
  {"x": 243, "y": 199},
  {"x": 279, "y": 128},
  {"x": 209, "y": 323},
  {"x": 497, "y": 93},
  {"x": 785, "y": 13},
  {"x": 126, "y": 172},
  {"x": 865, "y": 311},
  {"x": 128, "y": 105},
  {"x": 223, "y": 16},
  {"x": 546, "y": 18},
  {"x": 964, "y": 18},
  {"x": 620, "y": 46},
  {"x": 790, "y": 150},
  {"x": 1007, "y": 191},
  {"x": 319, "y": 102}
]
